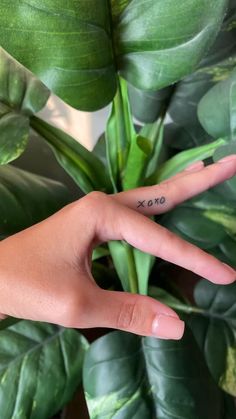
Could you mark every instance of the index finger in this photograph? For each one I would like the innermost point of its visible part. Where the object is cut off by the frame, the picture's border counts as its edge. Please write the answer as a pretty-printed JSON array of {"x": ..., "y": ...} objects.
[{"x": 157, "y": 199}]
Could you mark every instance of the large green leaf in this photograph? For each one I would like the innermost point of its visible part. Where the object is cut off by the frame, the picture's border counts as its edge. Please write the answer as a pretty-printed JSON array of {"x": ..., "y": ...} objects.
[
  {"x": 192, "y": 225},
  {"x": 205, "y": 221},
  {"x": 67, "y": 43},
  {"x": 126, "y": 376},
  {"x": 40, "y": 369},
  {"x": 215, "y": 331},
  {"x": 219, "y": 120},
  {"x": 21, "y": 95},
  {"x": 26, "y": 199},
  {"x": 147, "y": 106},
  {"x": 213, "y": 322},
  {"x": 76, "y": 47},
  {"x": 83, "y": 166}
]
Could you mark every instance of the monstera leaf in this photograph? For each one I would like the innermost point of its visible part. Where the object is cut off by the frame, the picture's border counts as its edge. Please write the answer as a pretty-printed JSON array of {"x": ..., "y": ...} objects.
[
  {"x": 76, "y": 47},
  {"x": 26, "y": 199},
  {"x": 40, "y": 369},
  {"x": 216, "y": 328},
  {"x": 128, "y": 376},
  {"x": 21, "y": 95}
]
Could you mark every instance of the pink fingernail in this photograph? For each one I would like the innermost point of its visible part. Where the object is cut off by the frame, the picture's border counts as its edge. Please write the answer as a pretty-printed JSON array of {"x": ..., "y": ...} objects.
[
  {"x": 167, "y": 327},
  {"x": 228, "y": 159},
  {"x": 195, "y": 166}
]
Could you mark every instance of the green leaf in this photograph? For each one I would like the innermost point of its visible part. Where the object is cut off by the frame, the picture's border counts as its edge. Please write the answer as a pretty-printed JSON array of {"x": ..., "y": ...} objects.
[
  {"x": 181, "y": 160},
  {"x": 40, "y": 369},
  {"x": 120, "y": 133},
  {"x": 147, "y": 106},
  {"x": 77, "y": 50},
  {"x": 144, "y": 263},
  {"x": 194, "y": 226},
  {"x": 139, "y": 154},
  {"x": 128, "y": 376},
  {"x": 229, "y": 187},
  {"x": 216, "y": 328},
  {"x": 67, "y": 43},
  {"x": 219, "y": 120},
  {"x": 152, "y": 56},
  {"x": 124, "y": 261},
  {"x": 84, "y": 167},
  {"x": 228, "y": 247},
  {"x": 100, "y": 252},
  {"x": 26, "y": 199},
  {"x": 21, "y": 95},
  {"x": 225, "y": 44}
]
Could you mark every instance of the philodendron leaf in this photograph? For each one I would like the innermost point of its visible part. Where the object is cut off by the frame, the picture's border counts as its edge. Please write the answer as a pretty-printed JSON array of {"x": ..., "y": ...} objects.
[
  {"x": 21, "y": 95},
  {"x": 219, "y": 120},
  {"x": 26, "y": 199},
  {"x": 83, "y": 166},
  {"x": 215, "y": 331},
  {"x": 128, "y": 376},
  {"x": 40, "y": 369},
  {"x": 76, "y": 47}
]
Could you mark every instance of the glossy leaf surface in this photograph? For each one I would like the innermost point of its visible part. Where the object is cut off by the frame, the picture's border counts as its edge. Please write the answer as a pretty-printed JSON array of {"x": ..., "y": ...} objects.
[
  {"x": 76, "y": 47},
  {"x": 26, "y": 199},
  {"x": 181, "y": 160},
  {"x": 128, "y": 376},
  {"x": 216, "y": 328},
  {"x": 219, "y": 120},
  {"x": 82, "y": 165},
  {"x": 21, "y": 95},
  {"x": 40, "y": 369}
]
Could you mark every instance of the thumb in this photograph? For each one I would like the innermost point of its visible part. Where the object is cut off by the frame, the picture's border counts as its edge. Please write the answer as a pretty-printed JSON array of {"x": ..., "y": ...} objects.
[{"x": 136, "y": 314}]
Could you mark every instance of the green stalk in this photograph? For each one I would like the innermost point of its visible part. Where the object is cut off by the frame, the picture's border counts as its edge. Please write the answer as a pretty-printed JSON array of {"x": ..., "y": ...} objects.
[{"x": 133, "y": 277}]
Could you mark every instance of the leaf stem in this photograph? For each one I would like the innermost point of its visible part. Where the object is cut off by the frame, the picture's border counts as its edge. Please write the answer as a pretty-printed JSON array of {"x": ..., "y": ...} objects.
[{"x": 133, "y": 277}]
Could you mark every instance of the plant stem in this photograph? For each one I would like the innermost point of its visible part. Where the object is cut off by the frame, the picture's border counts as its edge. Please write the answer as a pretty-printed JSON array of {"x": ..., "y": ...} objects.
[{"x": 133, "y": 277}]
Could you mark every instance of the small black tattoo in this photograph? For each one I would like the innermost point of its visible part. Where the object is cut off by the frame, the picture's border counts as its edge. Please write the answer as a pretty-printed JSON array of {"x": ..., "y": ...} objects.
[
  {"x": 151, "y": 202},
  {"x": 141, "y": 204}
]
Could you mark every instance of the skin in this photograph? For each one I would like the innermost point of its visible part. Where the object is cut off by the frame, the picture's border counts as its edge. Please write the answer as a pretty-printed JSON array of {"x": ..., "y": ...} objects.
[{"x": 45, "y": 270}]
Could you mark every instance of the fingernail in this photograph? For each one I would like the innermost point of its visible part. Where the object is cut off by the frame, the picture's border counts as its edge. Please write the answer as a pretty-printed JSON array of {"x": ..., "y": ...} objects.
[
  {"x": 167, "y": 327},
  {"x": 228, "y": 159},
  {"x": 195, "y": 166}
]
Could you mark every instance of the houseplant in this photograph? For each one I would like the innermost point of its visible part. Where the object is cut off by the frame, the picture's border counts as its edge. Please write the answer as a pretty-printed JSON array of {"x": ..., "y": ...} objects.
[{"x": 151, "y": 48}]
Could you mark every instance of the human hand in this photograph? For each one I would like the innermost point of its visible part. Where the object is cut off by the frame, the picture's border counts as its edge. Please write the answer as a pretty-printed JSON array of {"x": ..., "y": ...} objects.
[{"x": 45, "y": 270}]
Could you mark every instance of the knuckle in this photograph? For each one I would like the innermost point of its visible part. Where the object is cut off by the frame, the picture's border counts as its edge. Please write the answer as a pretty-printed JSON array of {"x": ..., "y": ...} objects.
[
  {"x": 129, "y": 316},
  {"x": 95, "y": 198}
]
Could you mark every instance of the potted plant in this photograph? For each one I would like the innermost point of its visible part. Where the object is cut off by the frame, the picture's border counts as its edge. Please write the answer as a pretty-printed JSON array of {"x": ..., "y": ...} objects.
[{"x": 151, "y": 59}]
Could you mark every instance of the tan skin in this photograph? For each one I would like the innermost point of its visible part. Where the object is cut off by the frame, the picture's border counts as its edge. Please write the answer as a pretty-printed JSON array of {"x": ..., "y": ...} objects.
[{"x": 45, "y": 270}]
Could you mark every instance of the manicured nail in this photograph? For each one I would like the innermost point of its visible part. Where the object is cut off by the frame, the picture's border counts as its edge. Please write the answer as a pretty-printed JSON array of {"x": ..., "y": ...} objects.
[
  {"x": 228, "y": 159},
  {"x": 194, "y": 166},
  {"x": 167, "y": 327}
]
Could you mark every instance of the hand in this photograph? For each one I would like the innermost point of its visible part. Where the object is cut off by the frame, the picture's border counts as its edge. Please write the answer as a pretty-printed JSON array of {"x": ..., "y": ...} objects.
[{"x": 45, "y": 270}]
